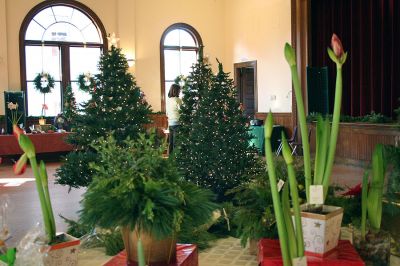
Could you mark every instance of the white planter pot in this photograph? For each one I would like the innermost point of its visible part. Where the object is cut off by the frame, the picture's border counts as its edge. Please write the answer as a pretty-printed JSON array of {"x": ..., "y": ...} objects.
[
  {"x": 63, "y": 254},
  {"x": 321, "y": 231}
]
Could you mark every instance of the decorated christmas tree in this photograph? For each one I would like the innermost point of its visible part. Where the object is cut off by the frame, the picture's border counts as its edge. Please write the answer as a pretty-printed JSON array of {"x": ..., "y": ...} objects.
[
  {"x": 117, "y": 106},
  {"x": 213, "y": 140}
]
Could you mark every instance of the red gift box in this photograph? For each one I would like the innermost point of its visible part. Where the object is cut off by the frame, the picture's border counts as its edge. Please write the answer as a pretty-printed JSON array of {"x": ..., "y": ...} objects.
[
  {"x": 344, "y": 254},
  {"x": 186, "y": 255}
]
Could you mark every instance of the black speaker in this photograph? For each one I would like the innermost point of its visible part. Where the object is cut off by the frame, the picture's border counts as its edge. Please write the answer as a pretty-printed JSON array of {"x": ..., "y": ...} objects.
[
  {"x": 318, "y": 90},
  {"x": 14, "y": 103}
]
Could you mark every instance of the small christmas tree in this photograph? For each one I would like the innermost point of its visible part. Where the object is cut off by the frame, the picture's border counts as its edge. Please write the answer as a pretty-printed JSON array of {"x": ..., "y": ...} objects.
[
  {"x": 213, "y": 140},
  {"x": 117, "y": 106},
  {"x": 69, "y": 105}
]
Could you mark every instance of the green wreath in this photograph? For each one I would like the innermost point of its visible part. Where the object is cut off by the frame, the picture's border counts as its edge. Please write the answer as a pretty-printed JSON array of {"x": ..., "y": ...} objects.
[
  {"x": 82, "y": 80},
  {"x": 38, "y": 82}
]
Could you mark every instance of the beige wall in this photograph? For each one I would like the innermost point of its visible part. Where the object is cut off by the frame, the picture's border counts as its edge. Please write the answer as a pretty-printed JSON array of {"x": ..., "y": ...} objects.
[
  {"x": 154, "y": 16},
  {"x": 258, "y": 30},
  {"x": 231, "y": 30}
]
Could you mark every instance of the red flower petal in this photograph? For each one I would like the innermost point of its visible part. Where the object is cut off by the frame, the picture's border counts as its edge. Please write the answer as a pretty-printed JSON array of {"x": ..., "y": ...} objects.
[{"x": 354, "y": 191}]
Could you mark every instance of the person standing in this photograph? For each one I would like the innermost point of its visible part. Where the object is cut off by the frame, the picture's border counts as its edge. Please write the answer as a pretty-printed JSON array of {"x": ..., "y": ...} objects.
[{"x": 173, "y": 106}]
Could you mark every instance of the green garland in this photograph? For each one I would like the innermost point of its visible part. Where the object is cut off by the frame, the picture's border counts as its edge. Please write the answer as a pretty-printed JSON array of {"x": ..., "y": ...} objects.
[
  {"x": 38, "y": 82},
  {"x": 82, "y": 79}
]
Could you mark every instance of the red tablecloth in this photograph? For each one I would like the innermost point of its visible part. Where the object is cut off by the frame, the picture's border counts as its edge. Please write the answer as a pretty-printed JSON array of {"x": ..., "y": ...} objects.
[
  {"x": 46, "y": 142},
  {"x": 344, "y": 254},
  {"x": 186, "y": 255}
]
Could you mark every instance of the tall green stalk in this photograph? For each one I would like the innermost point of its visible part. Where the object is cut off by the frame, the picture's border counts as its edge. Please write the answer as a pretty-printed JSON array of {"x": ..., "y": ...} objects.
[
  {"x": 283, "y": 237},
  {"x": 41, "y": 186},
  {"x": 286, "y": 151},
  {"x": 291, "y": 59},
  {"x": 375, "y": 193}
]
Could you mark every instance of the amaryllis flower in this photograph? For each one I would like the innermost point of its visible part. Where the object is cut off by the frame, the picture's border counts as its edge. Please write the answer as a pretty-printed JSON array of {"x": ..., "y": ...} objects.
[
  {"x": 354, "y": 191},
  {"x": 20, "y": 166},
  {"x": 12, "y": 106},
  {"x": 45, "y": 107},
  {"x": 337, "y": 46}
]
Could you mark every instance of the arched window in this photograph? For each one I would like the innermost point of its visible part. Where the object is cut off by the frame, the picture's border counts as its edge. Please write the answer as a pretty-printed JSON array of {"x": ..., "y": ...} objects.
[
  {"x": 64, "y": 39},
  {"x": 178, "y": 52}
]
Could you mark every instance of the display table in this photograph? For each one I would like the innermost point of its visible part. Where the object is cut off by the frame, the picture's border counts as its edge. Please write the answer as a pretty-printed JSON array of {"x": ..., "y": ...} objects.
[
  {"x": 257, "y": 133},
  {"x": 46, "y": 142},
  {"x": 343, "y": 254},
  {"x": 186, "y": 255}
]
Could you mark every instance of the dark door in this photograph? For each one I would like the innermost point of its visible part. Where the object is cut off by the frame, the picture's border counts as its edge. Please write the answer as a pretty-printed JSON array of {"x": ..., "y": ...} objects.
[{"x": 245, "y": 79}]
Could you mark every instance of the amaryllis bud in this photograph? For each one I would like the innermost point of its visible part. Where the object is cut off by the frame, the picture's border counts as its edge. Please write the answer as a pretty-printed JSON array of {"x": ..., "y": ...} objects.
[
  {"x": 20, "y": 166},
  {"x": 290, "y": 55},
  {"x": 17, "y": 131},
  {"x": 337, "y": 46}
]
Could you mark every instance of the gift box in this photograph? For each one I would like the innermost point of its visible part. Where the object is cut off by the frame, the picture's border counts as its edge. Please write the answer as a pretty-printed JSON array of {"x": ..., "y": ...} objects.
[
  {"x": 186, "y": 255},
  {"x": 343, "y": 254}
]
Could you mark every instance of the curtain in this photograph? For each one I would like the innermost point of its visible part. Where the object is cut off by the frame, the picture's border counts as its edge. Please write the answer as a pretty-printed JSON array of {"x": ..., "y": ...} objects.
[{"x": 370, "y": 32}]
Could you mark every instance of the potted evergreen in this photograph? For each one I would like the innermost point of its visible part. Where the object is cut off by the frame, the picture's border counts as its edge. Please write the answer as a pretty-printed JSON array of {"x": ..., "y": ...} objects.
[
  {"x": 321, "y": 223},
  {"x": 63, "y": 247},
  {"x": 135, "y": 188}
]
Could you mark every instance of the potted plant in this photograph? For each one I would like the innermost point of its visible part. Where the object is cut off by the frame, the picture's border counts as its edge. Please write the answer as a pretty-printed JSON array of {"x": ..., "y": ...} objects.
[
  {"x": 63, "y": 248},
  {"x": 321, "y": 223},
  {"x": 135, "y": 188},
  {"x": 44, "y": 83},
  {"x": 374, "y": 244}
]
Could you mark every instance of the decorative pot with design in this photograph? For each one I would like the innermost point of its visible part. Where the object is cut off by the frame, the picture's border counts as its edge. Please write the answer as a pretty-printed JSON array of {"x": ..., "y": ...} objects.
[{"x": 321, "y": 230}]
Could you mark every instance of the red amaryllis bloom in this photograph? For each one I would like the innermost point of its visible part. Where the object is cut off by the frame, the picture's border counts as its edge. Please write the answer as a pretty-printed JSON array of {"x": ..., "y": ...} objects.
[
  {"x": 20, "y": 166},
  {"x": 354, "y": 191},
  {"x": 337, "y": 46},
  {"x": 17, "y": 131}
]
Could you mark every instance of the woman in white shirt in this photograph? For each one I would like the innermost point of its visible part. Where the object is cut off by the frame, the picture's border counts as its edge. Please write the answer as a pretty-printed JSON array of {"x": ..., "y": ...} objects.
[{"x": 173, "y": 105}]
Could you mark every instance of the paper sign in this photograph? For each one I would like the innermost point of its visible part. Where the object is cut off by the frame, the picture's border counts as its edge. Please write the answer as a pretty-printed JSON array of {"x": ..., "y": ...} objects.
[
  {"x": 300, "y": 261},
  {"x": 317, "y": 194},
  {"x": 280, "y": 184}
]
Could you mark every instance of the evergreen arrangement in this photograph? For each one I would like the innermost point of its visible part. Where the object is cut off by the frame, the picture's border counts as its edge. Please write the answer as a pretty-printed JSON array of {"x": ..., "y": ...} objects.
[
  {"x": 213, "y": 139},
  {"x": 117, "y": 105}
]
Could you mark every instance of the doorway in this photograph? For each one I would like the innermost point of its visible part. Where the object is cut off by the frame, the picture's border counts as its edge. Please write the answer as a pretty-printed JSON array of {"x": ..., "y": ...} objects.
[{"x": 246, "y": 84}]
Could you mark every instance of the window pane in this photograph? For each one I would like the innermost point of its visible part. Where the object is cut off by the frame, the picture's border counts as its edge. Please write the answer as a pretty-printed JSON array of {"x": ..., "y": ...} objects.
[
  {"x": 34, "y": 31},
  {"x": 186, "y": 39},
  {"x": 188, "y": 58},
  {"x": 63, "y": 32},
  {"x": 79, "y": 19},
  {"x": 83, "y": 60},
  {"x": 35, "y": 100},
  {"x": 46, "y": 58},
  {"x": 172, "y": 38},
  {"x": 45, "y": 18},
  {"x": 80, "y": 96},
  {"x": 91, "y": 34},
  {"x": 63, "y": 13},
  {"x": 172, "y": 64}
]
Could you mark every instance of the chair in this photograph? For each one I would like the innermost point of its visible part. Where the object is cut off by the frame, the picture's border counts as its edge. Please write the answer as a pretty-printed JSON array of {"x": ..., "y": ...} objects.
[
  {"x": 290, "y": 141},
  {"x": 297, "y": 144}
]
